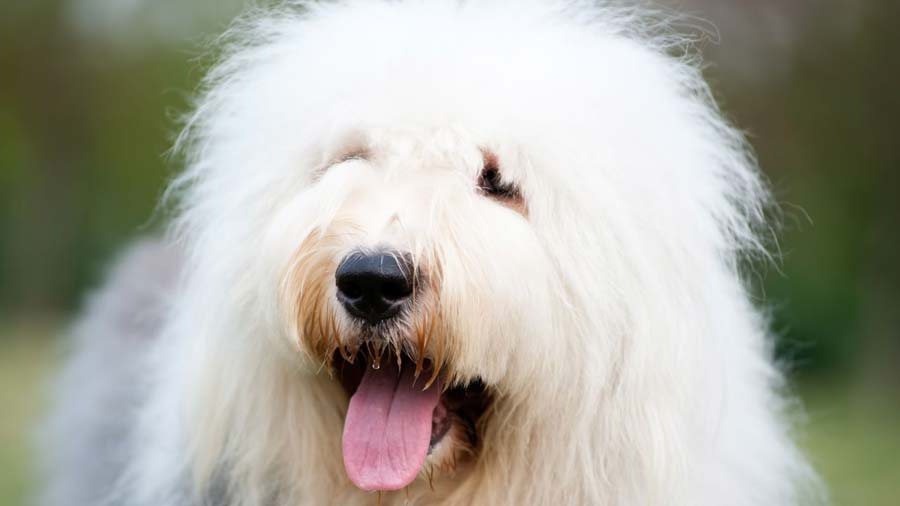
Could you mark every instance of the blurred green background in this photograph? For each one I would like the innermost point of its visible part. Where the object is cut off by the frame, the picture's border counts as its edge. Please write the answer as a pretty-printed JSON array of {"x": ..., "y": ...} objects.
[{"x": 89, "y": 95}]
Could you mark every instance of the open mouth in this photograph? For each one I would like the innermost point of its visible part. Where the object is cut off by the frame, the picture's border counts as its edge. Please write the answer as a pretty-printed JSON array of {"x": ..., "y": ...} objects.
[{"x": 398, "y": 418}]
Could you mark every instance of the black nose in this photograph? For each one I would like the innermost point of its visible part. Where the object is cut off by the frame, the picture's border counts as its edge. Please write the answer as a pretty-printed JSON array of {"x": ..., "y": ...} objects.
[{"x": 374, "y": 287}]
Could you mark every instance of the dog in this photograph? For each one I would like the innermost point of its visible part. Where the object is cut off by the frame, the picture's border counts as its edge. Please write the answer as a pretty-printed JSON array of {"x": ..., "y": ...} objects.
[{"x": 440, "y": 253}]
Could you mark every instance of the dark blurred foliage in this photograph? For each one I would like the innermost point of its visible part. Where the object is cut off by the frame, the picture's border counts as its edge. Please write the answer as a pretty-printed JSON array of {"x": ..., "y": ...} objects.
[
  {"x": 826, "y": 133},
  {"x": 84, "y": 132},
  {"x": 85, "y": 127}
]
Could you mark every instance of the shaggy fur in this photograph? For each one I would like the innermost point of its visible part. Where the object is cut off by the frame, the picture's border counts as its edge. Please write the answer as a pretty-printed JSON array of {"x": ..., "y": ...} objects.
[{"x": 600, "y": 302}]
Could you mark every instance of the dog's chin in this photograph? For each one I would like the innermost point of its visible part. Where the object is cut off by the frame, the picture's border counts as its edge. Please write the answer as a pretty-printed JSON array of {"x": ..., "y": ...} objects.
[{"x": 457, "y": 418}]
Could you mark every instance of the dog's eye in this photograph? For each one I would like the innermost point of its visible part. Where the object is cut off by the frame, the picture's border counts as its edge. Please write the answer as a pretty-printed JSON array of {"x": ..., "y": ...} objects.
[
  {"x": 489, "y": 183},
  {"x": 492, "y": 185}
]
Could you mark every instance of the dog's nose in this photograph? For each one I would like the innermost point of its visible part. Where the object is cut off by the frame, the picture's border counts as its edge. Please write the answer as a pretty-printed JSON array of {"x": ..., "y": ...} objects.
[{"x": 374, "y": 287}]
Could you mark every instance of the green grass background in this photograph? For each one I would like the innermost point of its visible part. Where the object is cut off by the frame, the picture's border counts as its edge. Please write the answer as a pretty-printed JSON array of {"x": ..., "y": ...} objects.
[{"x": 28, "y": 359}]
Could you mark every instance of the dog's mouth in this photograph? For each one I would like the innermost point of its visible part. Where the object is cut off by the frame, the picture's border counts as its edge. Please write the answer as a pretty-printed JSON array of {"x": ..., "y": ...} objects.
[{"x": 399, "y": 417}]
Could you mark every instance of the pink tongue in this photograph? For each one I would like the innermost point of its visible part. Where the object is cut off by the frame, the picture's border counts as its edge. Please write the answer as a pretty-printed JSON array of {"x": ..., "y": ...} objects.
[{"x": 388, "y": 428}]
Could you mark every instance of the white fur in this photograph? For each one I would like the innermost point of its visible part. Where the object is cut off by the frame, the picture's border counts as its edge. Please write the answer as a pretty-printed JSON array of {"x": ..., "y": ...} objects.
[{"x": 611, "y": 320}]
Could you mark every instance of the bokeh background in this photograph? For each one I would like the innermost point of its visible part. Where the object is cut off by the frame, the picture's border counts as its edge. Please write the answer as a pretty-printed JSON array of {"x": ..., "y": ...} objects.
[{"x": 90, "y": 93}]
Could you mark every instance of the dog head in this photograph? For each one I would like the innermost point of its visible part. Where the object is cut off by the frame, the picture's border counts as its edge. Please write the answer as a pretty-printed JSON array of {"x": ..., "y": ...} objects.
[{"x": 469, "y": 219}]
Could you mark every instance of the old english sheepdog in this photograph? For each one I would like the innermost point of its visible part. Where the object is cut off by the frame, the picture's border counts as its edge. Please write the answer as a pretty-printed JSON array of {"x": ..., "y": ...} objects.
[{"x": 439, "y": 253}]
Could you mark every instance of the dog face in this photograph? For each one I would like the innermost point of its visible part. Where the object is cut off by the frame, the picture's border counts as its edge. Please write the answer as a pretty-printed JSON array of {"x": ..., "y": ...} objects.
[
  {"x": 415, "y": 258},
  {"x": 452, "y": 221},
  {"x": 471, "y": 234}
]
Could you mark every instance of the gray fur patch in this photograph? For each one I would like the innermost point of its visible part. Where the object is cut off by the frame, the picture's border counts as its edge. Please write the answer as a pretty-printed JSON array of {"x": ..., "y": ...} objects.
[{"x": 87, "y": 439}]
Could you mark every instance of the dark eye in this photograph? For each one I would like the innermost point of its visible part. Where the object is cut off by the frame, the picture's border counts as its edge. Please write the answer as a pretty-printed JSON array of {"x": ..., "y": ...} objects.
[{"x": 490, "y": 183}]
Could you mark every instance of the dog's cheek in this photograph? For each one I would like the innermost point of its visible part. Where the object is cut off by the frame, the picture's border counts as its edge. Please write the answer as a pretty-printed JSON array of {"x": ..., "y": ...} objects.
[
  {"x": 296, "y": 255},
  {"x": 498, "y": 292}
]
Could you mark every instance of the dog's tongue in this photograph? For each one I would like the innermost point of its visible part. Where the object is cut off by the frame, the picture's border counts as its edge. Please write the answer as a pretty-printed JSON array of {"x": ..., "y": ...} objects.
[{"x": 388, "y": 428}]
